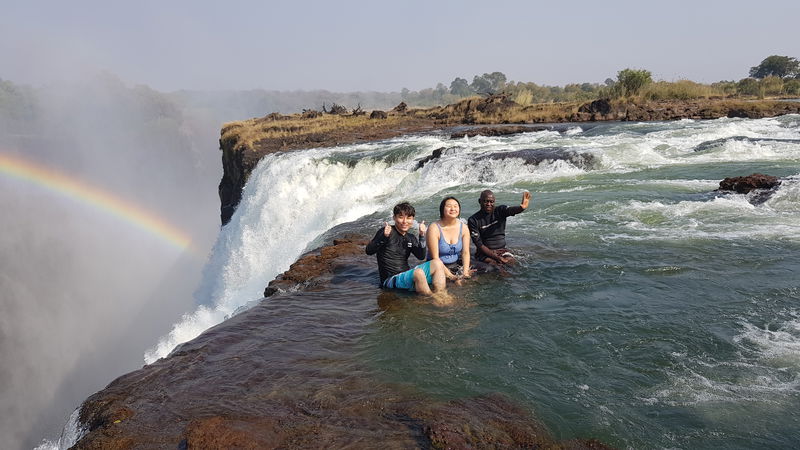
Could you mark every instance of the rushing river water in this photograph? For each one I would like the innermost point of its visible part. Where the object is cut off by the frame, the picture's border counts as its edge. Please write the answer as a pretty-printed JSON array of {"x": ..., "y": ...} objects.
[{"x": 647, "y": 310}]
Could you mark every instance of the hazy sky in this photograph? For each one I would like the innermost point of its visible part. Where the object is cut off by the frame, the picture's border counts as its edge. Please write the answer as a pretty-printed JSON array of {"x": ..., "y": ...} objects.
[{"x": 373, "y": 45}]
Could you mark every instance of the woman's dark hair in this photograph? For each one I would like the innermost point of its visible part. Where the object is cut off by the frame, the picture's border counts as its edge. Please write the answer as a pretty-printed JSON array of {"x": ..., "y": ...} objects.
[
  {"x": 441, "y": 206},
  {"x": 405, "y": 209}
]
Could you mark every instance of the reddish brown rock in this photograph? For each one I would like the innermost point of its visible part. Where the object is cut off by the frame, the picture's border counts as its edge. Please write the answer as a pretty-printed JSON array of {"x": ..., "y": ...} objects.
[
  {"x": 744, "y": 185},
  {"x": 311, "y": 268}
]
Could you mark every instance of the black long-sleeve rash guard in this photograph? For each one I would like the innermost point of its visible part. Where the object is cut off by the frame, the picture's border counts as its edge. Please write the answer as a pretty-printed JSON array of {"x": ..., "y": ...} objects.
[
  {"x": 490, "y": 229},
  {"x": 393, "y": 251}
]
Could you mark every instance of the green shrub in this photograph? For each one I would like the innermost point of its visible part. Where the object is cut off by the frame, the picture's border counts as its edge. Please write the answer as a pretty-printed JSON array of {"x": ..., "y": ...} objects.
[
  {"x": 748, "y": 86},
  {"x": 631, "y": 81},
  {"x": 792, "y": 87}
]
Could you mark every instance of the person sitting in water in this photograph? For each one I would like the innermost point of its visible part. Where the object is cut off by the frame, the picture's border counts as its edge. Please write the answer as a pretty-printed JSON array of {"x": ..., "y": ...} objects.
[
  {"x": 448, "y": 240},
  {"x": 393, "y": 246},
  {"x": 487, "y": 228}
]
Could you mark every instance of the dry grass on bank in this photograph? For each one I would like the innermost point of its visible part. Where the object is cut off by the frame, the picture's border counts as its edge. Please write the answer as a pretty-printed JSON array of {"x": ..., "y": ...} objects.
[
  {"x": 679, "y": 90},
  {"x": 247, "y": 133}
]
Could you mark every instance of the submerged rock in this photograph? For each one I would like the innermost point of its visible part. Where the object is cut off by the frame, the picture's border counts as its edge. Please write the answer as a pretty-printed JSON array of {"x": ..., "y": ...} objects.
[
  {"x": 309, "y": 268},
  {"x": 707, "y": 145},
  {"x": 539, "y": 155}
]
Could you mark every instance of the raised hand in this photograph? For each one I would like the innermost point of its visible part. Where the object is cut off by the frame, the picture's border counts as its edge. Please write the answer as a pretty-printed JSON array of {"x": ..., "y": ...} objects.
[
  {"x": 387, "y": 229},
  {"x": 526, "y": 199},
  {"x": 422, "y": 228}
]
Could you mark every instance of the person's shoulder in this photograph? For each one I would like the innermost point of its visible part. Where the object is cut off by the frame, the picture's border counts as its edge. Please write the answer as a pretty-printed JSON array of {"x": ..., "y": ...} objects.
[
  {"x": 502, "y": 210},
  {"x": 474, "y": 217}
]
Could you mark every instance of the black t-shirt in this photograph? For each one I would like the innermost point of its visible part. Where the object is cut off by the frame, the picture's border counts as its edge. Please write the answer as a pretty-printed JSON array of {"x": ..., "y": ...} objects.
[
  {"x": 489, "y": 229},
  {"x": 393, "y": 252}
]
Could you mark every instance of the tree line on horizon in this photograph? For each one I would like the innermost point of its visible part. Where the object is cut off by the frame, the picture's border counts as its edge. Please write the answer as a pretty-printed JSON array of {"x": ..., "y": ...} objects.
[{"x": 774, "y": 76}]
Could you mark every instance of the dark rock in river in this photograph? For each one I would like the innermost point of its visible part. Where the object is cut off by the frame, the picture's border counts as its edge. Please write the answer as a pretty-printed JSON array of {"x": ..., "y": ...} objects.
[
  {"x": 707, "y": 145},
  {"x": 435, "y": 155},
  {"x": 758, "y": 187},
  {"x": 538, "y": 155},
  {"x": 744, "y": 185}
]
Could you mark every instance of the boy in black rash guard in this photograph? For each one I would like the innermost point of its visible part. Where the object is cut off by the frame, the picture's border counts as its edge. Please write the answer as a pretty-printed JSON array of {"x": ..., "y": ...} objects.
[
  {"x": 394, "y": 244},
  {"x": 487, "y": 228}
]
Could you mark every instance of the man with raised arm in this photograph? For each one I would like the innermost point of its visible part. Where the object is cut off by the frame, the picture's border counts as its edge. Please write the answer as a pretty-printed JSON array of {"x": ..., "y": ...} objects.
[
  {"x": 487, "y": 228},
  {"x": 394, "y": 244}
]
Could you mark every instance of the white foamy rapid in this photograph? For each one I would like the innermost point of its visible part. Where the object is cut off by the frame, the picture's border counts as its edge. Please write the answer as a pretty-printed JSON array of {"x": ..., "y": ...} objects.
[
  {"x": 293, "y": 198},
  {"x": 767, "y": 369}
]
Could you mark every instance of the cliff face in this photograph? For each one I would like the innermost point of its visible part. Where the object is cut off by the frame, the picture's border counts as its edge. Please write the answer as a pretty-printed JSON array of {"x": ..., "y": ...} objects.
[
  {"x": 237, "y": 163},
  {"x": 244, "y": 143}
]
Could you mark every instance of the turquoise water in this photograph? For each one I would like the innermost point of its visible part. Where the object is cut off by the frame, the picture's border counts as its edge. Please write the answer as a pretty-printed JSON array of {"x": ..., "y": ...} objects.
[{"x": 646, "y": 310}]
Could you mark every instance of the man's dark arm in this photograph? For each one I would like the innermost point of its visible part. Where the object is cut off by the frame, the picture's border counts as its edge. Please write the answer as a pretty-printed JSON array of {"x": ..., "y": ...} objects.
[
  {"x": 514, "y": 210},
  {"x": 377, "y": 242}
]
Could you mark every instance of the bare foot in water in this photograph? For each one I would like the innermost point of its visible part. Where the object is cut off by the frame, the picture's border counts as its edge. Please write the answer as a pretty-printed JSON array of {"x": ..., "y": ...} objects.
[{"x": 442, "y": 298}]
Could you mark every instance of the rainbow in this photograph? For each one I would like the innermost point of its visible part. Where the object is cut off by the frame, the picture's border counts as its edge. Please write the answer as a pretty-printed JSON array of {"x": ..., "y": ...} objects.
[{"x": 93, "y": 196}]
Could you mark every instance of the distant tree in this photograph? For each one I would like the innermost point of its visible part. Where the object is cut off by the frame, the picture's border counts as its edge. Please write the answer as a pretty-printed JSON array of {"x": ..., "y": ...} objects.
[
  {"x": 481, "y": 85},
  {"x": 631, "y": 81},
  {"x": 439, "y": 92},
  {"x": 609, "y": 82},
  {"x": 497, "y": 80},
  {"x": 778, "y": 66},
  {"x": 404, "y": 93},
  {"x": 460, "y": 87}
]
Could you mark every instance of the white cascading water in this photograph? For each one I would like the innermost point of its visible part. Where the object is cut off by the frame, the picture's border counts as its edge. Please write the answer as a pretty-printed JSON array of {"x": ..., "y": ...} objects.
[{"x": 293, "y": 198}]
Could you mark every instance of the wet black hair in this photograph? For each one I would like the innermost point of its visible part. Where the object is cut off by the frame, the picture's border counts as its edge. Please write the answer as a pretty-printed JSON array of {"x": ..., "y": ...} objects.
[
  {"x": 404, "y": 208},
  {"x": 441, "y": 206}
]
